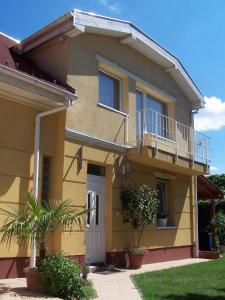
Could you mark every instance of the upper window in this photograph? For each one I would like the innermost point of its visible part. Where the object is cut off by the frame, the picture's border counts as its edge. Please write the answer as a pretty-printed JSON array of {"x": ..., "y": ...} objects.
[{"x": 109, "y": 90}]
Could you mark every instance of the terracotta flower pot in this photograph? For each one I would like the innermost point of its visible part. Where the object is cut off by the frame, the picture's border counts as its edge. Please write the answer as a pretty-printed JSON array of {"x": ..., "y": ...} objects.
[
  {"x": 33, "y": 280},
  {"x": 135, "y": 260}
]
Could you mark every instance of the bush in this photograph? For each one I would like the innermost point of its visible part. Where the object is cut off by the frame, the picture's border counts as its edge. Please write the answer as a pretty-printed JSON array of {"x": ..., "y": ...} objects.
[
  {"x": 219, "y": 223},
  {"x": 61, "y": 278},
  {"x": 140, "y": 205}
]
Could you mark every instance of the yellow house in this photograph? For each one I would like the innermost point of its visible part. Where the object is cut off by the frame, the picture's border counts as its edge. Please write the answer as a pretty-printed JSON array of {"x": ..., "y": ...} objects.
[{"x": 87, "y": 105}]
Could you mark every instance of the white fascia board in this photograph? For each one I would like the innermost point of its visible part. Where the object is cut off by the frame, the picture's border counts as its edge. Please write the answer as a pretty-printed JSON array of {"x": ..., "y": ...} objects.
[
  {"x": 58, "y": 27},
  {"x": 9, "y": 37},
  {"x": 100, "y": 22}
]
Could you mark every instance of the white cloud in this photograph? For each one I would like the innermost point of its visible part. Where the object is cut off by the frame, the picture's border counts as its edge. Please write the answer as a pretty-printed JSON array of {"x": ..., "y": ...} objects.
[
  {"x": 214, "y": 170},
  {"x": 113, "y": 6},
  {"x": 212, "y": 117}
]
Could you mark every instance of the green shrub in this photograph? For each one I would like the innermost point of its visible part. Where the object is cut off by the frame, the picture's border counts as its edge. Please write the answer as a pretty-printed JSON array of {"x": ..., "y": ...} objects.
[
  {"x": 62, "y": 278},
  {"x": 219, "y": 223}
]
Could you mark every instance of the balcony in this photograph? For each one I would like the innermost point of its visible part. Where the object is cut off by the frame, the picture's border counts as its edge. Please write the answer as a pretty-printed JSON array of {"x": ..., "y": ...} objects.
[{"x": 150, "y": 128}]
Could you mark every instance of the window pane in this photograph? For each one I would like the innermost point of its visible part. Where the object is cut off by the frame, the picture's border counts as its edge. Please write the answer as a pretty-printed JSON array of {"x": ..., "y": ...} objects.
[
  {"x": 156, "y": 123},
  {"x": 88, "y": 207},
  {"x": 155, "y": 105},
  {"x": 139, "y": 114},
  {"x": 96, "y": 170},
  {"x": 109, "y": 90},
  {"x": 160, "y": 187},
  {"x": 138, "y": 100},
  {"x": 97, "y": 210}
]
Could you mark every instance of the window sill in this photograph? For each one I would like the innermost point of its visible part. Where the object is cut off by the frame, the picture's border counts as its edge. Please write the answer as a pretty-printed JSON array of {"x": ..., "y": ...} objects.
[
  {"x": 113, "y": 109},
  {"x": 166, "y": 227}
]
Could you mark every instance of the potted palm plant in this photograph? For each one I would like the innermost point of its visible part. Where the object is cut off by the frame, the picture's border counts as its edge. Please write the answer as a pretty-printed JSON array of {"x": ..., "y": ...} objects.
[
  {"x": 35, "y": 221},
  {"x": 139, "y": 208}
]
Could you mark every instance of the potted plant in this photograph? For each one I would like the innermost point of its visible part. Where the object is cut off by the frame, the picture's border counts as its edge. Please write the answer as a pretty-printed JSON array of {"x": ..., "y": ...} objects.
[
  {"x": 162, "y": 219},
  {"x": 35, "y": 221},
  {"x": 139, "y": 208}
]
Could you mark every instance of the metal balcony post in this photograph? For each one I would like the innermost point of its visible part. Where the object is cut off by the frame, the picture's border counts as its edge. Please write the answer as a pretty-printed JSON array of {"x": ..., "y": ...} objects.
[
  {"x": 193, "y": 147},
  {"x": 156, "y": 134},
  {"x": 176, "y": 139},
  {"x": 127, "y": 130},
  {"x": 206, "y": 150}
]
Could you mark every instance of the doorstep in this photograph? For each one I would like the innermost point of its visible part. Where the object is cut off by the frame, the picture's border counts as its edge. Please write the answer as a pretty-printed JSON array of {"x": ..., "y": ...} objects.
[{"x": 209, "y": 254}]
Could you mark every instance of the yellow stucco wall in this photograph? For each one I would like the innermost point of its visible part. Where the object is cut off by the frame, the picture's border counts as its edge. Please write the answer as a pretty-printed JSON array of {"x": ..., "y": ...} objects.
[
  {"x": 119, "y": 235},
  {"x": 17, "y": 158}
]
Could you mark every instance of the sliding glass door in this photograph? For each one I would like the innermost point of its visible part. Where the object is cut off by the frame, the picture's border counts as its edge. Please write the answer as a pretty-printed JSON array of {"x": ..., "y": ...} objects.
[{"x": 150, "y": 115}]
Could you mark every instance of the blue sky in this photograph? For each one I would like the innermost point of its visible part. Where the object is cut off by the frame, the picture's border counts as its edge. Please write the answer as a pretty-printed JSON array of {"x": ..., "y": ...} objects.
[{"x": 194, "y": 30}]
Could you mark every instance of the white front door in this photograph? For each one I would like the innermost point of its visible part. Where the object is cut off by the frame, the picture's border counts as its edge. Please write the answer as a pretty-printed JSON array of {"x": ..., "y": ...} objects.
[{"x": 95, "y": 226}]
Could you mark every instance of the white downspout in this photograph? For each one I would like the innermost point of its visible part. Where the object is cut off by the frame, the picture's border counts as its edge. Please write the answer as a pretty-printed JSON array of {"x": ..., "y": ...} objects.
[
  {"x": 195, "y": 195},
  {"x": 36, "y": 167},
  {"x": 196, "y": 218}
]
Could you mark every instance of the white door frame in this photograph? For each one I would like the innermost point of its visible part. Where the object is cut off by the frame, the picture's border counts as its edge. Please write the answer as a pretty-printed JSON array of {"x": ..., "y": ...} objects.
[{"x": 96, "y": 185}]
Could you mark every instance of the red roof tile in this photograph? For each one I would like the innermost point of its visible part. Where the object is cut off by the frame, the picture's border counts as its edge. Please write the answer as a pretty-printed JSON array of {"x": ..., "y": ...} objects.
[{"x": 14, "y": 60}]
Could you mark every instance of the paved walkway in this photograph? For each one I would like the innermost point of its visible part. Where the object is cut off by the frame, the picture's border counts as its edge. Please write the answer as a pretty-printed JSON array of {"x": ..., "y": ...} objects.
[
  {"x": 109, "y": 286},
  {"x": 16, "y": 288}
]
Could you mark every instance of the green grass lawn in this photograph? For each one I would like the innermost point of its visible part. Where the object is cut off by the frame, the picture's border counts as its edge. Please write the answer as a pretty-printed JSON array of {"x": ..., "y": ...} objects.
[{"x": 203, "y": 281}]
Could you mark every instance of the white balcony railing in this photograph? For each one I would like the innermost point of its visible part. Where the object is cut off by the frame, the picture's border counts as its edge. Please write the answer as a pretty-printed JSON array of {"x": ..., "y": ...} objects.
[{"x": 157, "y": 130}]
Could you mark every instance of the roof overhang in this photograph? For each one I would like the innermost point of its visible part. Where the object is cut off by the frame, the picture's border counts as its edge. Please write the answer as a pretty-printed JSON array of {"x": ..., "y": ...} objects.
[
  {"x": 20, "y": 87},
  {"x": 207, "y": 190},
  {"x": 78, "y": 22},
  {"x": 95, "y": 141}
]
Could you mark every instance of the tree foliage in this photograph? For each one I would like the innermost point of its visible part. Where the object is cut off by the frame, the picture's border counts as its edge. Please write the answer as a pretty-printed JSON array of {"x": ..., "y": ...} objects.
[
  {"x": 139, "y": 203},
  {"x": 219, "y": 223},
  {"x": 218, "y": 180}
]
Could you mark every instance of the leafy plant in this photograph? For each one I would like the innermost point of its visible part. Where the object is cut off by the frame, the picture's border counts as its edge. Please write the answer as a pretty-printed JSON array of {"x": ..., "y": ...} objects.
[
  {"x": 218, "y": 180},
  {"x": 139, "y": 203},
  {"x": 61, "y": 278},
  {"x": 85, "y": 271},
  {"x": 36, "y": 221},
  {"x": 219, "y": 223},
  {"x": 136, "y": 250}
]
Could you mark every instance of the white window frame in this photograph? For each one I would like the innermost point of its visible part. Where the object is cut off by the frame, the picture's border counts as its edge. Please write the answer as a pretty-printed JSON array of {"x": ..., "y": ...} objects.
[{"x": 120, "y": 93}]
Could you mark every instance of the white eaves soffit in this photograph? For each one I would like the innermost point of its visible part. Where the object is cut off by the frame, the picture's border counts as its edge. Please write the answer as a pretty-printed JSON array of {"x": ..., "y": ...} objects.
[
  {"x": 135, "y": 38},
  {"x": 77, "y": 22}
]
